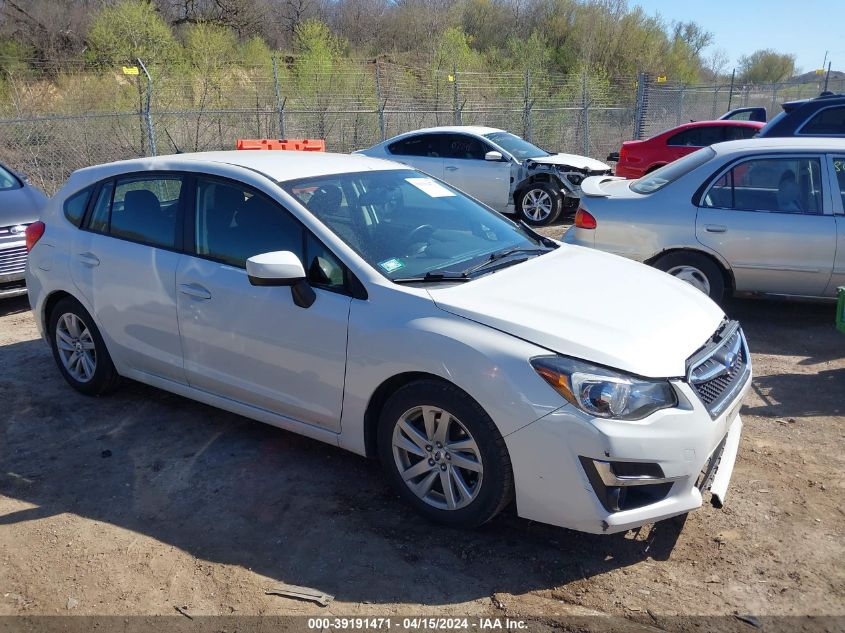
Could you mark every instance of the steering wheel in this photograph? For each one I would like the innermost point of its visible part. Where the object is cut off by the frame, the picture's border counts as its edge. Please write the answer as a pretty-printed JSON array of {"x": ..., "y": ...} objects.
[{"x": 419, "y": 234}]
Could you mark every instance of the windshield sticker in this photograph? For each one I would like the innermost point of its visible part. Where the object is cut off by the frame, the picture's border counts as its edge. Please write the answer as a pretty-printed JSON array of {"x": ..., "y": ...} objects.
[
  {"x": 430, "y": 187},
  {"x": 391, "y": 265}
]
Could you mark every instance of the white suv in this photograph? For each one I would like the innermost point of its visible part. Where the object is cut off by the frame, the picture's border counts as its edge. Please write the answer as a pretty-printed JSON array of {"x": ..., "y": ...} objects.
[{"x": 364, "y": 304}]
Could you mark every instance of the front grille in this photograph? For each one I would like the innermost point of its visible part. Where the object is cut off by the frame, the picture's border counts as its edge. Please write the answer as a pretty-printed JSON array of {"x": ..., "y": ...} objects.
[
  {"x": 15, "y": 230},
  {"x": 719, "y": 369},
  {"x": 12, "y": 260}
]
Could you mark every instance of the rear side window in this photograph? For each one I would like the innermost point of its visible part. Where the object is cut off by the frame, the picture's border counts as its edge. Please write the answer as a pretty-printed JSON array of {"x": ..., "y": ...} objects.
[
  {"x": 830, "y": 121},
  {"x": 75, "y": 206},
  {"x": 429, "y": 145},
  {"x": 659, "y": 178},
  {"x": 739, "y": 132}
]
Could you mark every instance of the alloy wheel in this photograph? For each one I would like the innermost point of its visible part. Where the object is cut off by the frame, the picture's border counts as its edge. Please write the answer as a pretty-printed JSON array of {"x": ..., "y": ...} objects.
[
  {"x": 77, "y": 350},
  {"x": 537, "y": 204},
  {"x": 437, "y": 457}
]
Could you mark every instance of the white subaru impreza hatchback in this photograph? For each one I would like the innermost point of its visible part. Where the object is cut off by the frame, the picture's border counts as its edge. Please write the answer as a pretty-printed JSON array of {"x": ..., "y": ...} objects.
[{"x": 370, "y": 306}]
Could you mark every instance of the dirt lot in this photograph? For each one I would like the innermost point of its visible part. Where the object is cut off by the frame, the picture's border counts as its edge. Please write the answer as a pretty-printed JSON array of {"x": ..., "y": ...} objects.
[{"x": 144, "y": 501}]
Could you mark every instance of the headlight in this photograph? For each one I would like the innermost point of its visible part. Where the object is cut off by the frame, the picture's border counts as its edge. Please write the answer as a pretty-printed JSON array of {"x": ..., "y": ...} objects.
[{"x": 603, "y": 392}]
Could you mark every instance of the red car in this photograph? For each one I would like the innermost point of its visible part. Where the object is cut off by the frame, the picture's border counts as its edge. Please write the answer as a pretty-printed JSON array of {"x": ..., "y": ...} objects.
[{"x": 637, "y": 158}]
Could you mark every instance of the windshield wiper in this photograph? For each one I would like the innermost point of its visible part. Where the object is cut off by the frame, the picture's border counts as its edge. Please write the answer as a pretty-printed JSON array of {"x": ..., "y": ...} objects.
[
  {"x": 499, "y": 255},
  {"x": 433, "y": 277}
]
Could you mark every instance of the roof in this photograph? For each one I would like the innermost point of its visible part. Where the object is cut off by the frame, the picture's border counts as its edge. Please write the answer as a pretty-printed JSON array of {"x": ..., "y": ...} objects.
[
  {"x": 280, "y": 165},
  {"x": 786, "y": 144},
  {"x": 709, "y": 123},
  {"x": 468, "y": 129}
]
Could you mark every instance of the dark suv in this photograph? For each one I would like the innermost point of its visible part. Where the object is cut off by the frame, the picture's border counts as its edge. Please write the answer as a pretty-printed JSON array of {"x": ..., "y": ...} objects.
[{"x": 822, "y": 116}]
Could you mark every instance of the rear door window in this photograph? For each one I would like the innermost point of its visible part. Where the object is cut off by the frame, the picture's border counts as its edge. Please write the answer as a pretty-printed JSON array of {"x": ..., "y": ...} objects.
[
  {"x": 769, "y": 185},
  {"x": 145, "y": 210},
  {"x": 429, "y": 145},
  {"x": 839, "y": 170}
]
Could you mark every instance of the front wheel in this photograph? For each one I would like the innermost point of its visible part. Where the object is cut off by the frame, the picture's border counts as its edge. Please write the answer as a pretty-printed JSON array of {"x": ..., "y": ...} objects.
[
  {"x": 444, "y": 455},
  {"x": 79, "y": 350},
  {"x": 539, "y": 204},
  {"x": 698, "y": 270}
]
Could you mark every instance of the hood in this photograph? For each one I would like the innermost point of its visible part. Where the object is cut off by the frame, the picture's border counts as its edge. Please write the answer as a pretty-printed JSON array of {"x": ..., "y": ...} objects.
[
  {"x": 21, "y": 206},
  {"x": 573, "y": 160},
  {"x": 594, "y": 306}
]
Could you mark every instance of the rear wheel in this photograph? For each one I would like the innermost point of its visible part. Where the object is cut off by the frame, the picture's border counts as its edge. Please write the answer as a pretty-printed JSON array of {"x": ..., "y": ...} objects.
[
  {"x": 444, "y": 455},
  {"x": 539, "y": 204},
  {"x": 696, "y": 269},
  {"x": 79, "y": 350}
]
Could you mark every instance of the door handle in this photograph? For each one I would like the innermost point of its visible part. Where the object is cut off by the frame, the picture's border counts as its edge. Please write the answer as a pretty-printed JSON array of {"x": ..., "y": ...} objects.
[
  {"x": 195, "y": 290},
  {"x": 451, "y": 168},
  {"x": 715, "y": 228},
  {"x": 89, "y": 259}
]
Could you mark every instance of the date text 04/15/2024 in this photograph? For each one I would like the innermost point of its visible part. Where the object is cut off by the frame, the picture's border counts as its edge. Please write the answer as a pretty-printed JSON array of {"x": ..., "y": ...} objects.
[{"x": 423, "y": 623}]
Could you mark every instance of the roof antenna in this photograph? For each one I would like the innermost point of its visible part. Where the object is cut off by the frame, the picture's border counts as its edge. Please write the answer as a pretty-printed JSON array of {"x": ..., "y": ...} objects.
[{"x": 172, "y": 142}]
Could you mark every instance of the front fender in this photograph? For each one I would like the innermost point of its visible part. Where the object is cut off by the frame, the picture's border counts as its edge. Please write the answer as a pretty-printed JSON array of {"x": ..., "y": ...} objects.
[{"x": 416, "y": 336}]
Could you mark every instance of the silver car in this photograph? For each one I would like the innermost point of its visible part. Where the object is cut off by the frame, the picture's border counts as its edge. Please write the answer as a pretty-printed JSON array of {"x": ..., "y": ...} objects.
[
  {"x": 500, "y": 169},
  {"x": 20, "y": 205},
  {"x": 751, "y": 216}
]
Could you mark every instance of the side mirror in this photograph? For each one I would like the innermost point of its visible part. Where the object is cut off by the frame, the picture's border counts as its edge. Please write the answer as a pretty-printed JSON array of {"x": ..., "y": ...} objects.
[
  {"x": 281, "y": 268},
  {"x": 494, "y": 156}
]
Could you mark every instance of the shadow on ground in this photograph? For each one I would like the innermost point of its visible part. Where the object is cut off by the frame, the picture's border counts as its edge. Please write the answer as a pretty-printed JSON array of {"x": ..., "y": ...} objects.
[
  {"x": 230, "y": 490},
  {"x": 15, "y": 305},
  {"x": 794, "y": 329}
]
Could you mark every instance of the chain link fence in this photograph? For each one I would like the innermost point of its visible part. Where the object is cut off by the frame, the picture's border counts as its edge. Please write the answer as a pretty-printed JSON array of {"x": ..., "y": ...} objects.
[{"x": 53, "y": 124}]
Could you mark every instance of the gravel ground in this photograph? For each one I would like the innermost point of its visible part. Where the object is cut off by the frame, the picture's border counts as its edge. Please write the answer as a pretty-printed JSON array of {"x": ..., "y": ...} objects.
[{"x": 144, "y": 501}]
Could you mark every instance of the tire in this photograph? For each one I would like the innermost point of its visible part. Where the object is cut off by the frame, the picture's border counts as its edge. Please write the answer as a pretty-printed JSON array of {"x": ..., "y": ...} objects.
[
  {"x": 94, "y": 374},
  {"x": 531, "y": 204},
  {"x": 696, "y": 269},
  {"x": 478, "y": 473}
]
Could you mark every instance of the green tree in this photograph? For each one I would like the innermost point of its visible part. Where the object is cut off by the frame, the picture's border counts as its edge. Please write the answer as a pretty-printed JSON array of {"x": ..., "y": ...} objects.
[
  {"x": 766, "y": 66},
  {"x": 130, "y": 29}
]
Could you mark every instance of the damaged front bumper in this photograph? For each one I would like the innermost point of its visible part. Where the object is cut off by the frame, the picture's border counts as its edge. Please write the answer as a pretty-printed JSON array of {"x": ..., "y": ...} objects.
[
  {"x": 605, "y": 476},
  {"x": 567, "y": 178}
]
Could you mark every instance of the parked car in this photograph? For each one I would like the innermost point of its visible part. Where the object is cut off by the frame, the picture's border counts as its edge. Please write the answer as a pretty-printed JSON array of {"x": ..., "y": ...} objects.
[
  {"x": 501, "y": 170},
  {"x": 759, "y": 216},
  {"x": 638, "y": 158},
  {"x": 821, "y": 116},
  {"x": 753, "y": 113},
  {"x": 20, "y": 205},
  {"x": 370, "y": 306}
]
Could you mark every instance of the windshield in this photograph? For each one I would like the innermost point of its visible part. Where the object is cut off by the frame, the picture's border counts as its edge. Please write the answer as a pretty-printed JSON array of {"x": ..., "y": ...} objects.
[
  {"x": 659, "y": 178},
  {"x": 406, "y": 224},
  {"x": 8, "y": 180},
  {"x": 517, "y": 147}
]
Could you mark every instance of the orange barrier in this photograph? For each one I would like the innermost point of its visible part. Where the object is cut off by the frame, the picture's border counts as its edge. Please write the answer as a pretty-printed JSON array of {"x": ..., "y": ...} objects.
[{"x": 297, "y": 144}]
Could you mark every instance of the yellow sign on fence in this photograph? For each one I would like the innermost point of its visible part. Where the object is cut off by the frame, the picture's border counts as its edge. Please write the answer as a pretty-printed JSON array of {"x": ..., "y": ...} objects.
[
  {"x": 130, "y": 70},
  {"x": 661, "y": 79}
]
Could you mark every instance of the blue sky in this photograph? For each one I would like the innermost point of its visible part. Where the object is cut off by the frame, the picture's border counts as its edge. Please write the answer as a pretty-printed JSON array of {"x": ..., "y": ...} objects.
[{"x": 739, "y": 27}]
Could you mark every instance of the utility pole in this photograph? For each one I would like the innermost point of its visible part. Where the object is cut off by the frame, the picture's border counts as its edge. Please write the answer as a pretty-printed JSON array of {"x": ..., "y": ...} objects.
[{"x": 731, "y": 93}]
